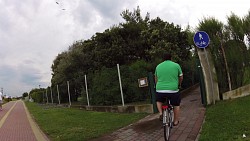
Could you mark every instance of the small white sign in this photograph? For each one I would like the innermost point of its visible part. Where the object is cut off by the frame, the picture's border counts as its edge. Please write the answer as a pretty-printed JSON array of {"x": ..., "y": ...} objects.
[{"x": 143, "y": 82}]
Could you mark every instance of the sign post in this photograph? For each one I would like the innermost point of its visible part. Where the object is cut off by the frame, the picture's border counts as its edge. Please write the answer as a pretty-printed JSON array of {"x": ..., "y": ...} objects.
[{"x": 202, "y": 40}]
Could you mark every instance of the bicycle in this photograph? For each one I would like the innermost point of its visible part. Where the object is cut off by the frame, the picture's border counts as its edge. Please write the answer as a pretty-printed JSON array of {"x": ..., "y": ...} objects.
[{"x": 167, "y": 119}]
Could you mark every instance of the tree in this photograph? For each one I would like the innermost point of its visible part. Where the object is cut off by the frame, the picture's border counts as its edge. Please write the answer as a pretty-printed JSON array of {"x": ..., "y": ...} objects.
[
  {"x": 218, "y": 36},
  {"x": 130, "y": 43},
  {"x": 25, "y": 95},
  {"x": 236, "y": 44},
  {"x": 235, "y": 27},
  {"x": 227, "y": 44},
  {"x": 37, "y": 95},
  {"x": 246, "y": 25}
]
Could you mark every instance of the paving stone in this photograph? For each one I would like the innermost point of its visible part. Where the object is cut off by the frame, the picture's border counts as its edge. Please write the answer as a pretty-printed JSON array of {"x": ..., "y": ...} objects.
[
  {"x": 191, "y": 119},
  {"x": 16, "y": 124}
]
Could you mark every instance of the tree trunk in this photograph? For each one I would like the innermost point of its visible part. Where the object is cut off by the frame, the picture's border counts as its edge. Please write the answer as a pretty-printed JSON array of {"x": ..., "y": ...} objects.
[{"x": 227, "y": 70}]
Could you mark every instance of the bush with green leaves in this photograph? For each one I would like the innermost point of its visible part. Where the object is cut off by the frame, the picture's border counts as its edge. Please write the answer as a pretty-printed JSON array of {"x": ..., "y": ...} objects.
[
  {"x": 37, "y": 95},
  {"x": 105, "y": 87}
]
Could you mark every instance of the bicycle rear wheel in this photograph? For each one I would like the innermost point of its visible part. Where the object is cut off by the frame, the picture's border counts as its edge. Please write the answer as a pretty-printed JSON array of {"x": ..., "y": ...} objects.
[
  {"x": 171, "y": 118},
  {"x": 166, "y": 125}
]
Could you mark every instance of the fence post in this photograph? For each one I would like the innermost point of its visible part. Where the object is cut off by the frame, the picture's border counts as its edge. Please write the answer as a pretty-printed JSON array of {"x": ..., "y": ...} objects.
[
  {"x": 152, "y": 91},
  {"x": 118, "y": 69},
  {"x": 51, "y": 94},
  {"x": 85, "y": 76},
  {"x": 47, "y": 95},
  {"x": 58, "y": 95},
  {"x": 69, "y": 94},
  {"x": 43, "y": 97}
]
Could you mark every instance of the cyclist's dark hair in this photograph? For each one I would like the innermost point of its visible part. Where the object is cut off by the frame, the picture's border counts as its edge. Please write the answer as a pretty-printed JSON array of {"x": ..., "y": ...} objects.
[{"x": 167, "y": 56}]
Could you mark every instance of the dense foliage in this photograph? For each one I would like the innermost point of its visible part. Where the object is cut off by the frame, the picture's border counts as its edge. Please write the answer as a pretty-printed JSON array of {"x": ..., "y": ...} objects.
[
  {"x": 24, "y": 95},
  {"x": 137, "y": 45},
  {"x": 230, "y": 50},
  {"x": 37, "y": 95}
]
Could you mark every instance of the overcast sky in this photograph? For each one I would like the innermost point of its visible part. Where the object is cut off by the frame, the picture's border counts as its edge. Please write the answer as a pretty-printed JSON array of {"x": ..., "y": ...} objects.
[{"x": 34, "y": 32}]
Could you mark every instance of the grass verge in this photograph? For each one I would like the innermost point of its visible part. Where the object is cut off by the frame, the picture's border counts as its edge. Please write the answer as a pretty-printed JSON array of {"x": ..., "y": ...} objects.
[
  {"x": 63, "y": 124},
  {"x": 227, "y": 121}
]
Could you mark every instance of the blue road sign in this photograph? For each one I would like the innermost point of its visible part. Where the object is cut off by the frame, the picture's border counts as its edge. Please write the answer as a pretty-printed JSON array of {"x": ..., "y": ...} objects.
[{"x": 201, "y": 39}]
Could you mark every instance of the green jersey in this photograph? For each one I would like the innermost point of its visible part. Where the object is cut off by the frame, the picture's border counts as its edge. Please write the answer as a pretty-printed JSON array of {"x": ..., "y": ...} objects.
[{"x": 168, "y": 74}]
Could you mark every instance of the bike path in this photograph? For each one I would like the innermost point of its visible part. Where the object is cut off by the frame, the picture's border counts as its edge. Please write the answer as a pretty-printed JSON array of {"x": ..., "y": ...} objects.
[
  {"x": 16, "y": 124},
  {"x": 150, "y": 128}
]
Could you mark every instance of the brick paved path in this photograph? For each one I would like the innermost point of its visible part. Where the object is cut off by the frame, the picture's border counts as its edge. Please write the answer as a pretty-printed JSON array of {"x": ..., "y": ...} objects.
[
  {"x": 17, "y": 125},
  {"x": 150, "y": 128}
]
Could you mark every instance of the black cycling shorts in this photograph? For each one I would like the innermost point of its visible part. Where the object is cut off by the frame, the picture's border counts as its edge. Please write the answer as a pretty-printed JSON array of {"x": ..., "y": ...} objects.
[{"x": 175, "y": 98}]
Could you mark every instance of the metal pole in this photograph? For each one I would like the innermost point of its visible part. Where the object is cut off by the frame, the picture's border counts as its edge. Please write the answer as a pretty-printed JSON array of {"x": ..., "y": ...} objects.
[
  {"x": 152, "y": 91},
  {"x": 43, "y": 96},
  {"x": 202, "y": 84},
  {"x": 47, "y": 95},
  {"x": 2, "y": 90},
  {"x": 211, "y": 80},
  {"x": 51, "y": 94},
  {"x": 86, "y": 89},
  {"x": 118, "y": 69},
  {"x": 58, "y": 95},
  {"x": 69, "y": 94}
]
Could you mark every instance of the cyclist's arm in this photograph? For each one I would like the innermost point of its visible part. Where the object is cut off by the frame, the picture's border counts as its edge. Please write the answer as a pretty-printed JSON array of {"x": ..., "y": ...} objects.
[
  {"x": 156, "y": 79},
  {"x": 180, "y": 80}
]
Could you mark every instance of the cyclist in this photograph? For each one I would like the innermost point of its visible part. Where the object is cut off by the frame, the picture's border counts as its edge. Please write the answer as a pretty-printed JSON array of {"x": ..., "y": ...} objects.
[{"x": 168, "y": 79}]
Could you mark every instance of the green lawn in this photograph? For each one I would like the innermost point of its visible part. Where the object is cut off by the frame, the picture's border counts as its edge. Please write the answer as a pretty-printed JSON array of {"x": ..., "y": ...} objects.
[
  {"x": 66, "y": 124},
  {"x": 227, "y": 121}
]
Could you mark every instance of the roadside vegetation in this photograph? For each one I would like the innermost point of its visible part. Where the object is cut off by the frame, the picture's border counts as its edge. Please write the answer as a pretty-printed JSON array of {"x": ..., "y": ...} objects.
[
  {"x": 227, "y": 121},
  {"x": 137, "y": 45},
  {"x": 64, "y": 124}
]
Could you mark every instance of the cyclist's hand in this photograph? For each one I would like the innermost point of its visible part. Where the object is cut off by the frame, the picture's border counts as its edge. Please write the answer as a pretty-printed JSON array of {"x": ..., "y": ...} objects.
[{"x": 180, "y": 88}]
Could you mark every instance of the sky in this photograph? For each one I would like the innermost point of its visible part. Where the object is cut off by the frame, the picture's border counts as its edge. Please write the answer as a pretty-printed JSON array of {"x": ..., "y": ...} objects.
[{"x": 34, "y": 32}]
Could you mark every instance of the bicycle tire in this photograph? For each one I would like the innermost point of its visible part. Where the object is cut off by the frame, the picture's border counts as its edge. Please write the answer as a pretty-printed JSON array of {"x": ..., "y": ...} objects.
[
  {"x": 171, "y": 118},
  {"x": 167, "y": 126}
]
